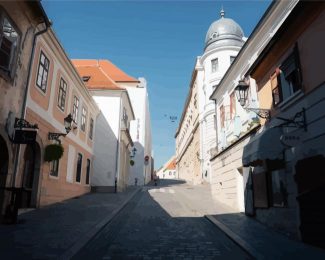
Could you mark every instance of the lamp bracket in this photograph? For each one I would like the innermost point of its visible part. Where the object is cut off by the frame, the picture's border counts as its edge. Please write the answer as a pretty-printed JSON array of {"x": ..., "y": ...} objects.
[
  {"x": 55, "y": 136},
  {"x": 260, "y": 112},
  {"x": 297, "y": 121}
]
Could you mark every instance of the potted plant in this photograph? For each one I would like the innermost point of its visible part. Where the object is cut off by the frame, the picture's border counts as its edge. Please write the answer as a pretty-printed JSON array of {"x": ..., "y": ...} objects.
[
  {"x": 131, "y": 162},
  {"x": 53, "y": 152}
]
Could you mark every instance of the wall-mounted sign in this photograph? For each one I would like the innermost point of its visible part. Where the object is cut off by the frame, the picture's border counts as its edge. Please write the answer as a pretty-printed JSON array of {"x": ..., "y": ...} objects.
[
  {"x": 292, "y": 139},
  {"x": 24, "y": 136}
]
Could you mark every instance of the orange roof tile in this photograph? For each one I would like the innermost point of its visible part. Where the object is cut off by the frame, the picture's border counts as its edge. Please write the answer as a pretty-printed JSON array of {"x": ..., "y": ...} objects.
[
  {"x": 109, "y": 68},
  {"x": 98, "y": 78},
  {"x": 171, "y": 165}
]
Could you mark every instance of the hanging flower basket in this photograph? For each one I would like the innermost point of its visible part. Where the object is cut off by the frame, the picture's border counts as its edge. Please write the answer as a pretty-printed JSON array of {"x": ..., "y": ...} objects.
[
  {"x": 53, "y": 152},
  {"x": 131, "y": 162}
]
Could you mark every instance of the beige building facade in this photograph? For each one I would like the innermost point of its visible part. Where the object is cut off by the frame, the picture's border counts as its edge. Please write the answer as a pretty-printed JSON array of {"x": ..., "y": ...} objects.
[
  {"x": 188, "y": 138},
  {"x": 287, "y": 170},
  {"x": 20, "y": 21},
  {"x": 56, "y": 92}
]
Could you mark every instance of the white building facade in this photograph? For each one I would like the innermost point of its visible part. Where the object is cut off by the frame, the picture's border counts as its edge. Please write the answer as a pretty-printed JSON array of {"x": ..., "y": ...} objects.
[
  {"x": 140, "y": 130},
  {"x": 236, "y": 124},
  {"x": 224, "y": 40}
]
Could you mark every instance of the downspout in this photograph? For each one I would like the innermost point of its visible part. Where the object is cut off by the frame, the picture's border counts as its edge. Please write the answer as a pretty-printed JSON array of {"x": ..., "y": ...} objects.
[
  {"x": 23, "y": 109},
  {"x": 117, "y": 164}
]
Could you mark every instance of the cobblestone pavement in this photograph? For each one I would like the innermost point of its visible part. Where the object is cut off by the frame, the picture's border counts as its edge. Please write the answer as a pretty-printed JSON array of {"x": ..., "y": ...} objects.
[
  {"x": 158, "y": 223},
  {"x": 47, "y": 233}
]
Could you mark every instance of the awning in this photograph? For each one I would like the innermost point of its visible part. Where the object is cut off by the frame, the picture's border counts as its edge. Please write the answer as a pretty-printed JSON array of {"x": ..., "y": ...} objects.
[{"x": 263, "y": 146}]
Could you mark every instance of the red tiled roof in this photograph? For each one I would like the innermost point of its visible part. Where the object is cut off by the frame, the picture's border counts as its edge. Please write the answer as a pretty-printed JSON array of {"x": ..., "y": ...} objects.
[
  {"x": 97, "y": 78},
  {"x": 109, "y": 68},
  {"x": 171, "y": 165}
]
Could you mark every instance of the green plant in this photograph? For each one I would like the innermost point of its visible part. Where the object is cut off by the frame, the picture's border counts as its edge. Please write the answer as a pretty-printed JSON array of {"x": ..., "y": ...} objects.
[
  {"x": 131, "y": 162},
  {"x": 53, "y": 152}
]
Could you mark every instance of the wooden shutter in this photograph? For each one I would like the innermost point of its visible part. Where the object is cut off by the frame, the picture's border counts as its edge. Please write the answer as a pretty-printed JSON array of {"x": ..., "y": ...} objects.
[
  {"x": 222, "y": 116},
  {"x": 260, "y": 190},
  {"x": 276, "y": 87}
]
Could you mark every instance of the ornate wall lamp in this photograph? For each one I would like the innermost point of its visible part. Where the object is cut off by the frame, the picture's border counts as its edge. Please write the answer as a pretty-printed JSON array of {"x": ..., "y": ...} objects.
[
  {"x": 67, "y": 125},
  {"x": 297, "y": 121},
  {"x": 242, "y": 95}
]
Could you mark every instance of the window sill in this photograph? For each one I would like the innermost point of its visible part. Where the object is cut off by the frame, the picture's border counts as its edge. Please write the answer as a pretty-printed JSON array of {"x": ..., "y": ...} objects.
[
  {"x": 60, "y": 109},
  {"x": 54, "y": 177},
  {"x": 41, "y": 90},
  {"x": 290, "y": 100}
]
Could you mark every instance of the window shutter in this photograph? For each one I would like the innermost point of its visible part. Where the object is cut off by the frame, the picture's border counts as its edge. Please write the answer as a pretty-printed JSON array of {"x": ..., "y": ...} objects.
[{"x": 276, "y": 87}]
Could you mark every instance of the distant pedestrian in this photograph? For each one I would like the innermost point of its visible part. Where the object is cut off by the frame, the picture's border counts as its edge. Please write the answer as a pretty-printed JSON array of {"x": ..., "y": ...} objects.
[{"x": 135, "y": 181}]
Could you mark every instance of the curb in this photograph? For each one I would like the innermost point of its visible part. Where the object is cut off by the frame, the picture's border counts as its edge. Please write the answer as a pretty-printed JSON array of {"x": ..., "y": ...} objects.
[
  {"x": 69, "y": 253},
  {"x": 234, "y": 237}
]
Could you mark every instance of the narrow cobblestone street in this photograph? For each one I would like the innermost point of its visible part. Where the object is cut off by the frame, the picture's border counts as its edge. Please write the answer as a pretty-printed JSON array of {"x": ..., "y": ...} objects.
[{"x": 159, "y": 224}]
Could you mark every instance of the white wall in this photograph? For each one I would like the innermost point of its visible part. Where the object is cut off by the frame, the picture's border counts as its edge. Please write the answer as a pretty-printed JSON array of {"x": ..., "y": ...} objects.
[
  {"x": 140, "y": 130},
  {"x": 110, "y": 107},
  {"x": 210, "y": 79},
  {"x": 105, "y": 154},
  {"x": 167, "y": 174}
]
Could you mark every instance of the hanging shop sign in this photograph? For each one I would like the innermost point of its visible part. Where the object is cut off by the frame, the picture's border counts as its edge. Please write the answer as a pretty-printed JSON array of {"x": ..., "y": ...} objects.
[
  {"x": 292, "y": 139},
  {"x": 24, "y": 136}
]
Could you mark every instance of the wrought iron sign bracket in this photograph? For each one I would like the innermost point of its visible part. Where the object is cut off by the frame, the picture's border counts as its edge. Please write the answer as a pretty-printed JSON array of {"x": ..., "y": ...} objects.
[
  {"x": 55, "y": 136},
  {"x": 260, "y": 112},
  {"x": 23, "y": 123},
  {"x": 298, "y": 121}
]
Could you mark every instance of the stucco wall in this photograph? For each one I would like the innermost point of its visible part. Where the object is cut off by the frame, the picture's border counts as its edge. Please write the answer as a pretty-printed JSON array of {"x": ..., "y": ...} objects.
[
  {"x": 105, "y": 154},
  {"x": 226, "y": 180}
]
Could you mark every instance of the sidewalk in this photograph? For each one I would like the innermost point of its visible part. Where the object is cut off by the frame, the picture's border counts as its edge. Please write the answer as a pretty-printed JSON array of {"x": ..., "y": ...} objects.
[
  {"x": 258, "y": 240},
  {"x": 60, "y": 230},
  {"x": 262, "y": 242}
]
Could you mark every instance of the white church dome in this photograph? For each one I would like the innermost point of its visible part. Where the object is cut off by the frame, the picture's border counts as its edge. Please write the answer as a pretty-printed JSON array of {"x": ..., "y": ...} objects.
[{"x": 224, "y": 32}]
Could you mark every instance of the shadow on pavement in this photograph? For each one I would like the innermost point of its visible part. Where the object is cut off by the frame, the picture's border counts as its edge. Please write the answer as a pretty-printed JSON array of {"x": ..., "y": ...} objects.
[{"x": 161, "y": 183}]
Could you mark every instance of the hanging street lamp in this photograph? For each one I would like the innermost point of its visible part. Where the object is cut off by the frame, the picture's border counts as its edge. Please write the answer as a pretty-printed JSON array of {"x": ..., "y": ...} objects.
[{"x": 242, "y": 95}]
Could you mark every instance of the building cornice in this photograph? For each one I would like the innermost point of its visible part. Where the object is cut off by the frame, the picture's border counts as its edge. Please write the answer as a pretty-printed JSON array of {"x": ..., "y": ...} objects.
[
  {"x": 253, "y": 130},
  {"x": 188, "y": 99}
]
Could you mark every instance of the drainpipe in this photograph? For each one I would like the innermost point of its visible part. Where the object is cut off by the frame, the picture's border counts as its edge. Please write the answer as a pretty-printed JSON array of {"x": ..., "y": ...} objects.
[
  {"x": 23, "y": 109},
  {"x": 117, "y": 160}
]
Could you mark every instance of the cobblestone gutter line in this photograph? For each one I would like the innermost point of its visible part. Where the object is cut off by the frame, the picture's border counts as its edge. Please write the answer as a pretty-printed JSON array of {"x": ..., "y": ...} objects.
[
  {"x": 237, "y": 239},
  {"x": 68, "y": 254}
]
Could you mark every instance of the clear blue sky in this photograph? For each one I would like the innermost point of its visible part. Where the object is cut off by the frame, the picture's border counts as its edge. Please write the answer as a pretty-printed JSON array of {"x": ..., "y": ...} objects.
[{"x": 158, "y": 40}]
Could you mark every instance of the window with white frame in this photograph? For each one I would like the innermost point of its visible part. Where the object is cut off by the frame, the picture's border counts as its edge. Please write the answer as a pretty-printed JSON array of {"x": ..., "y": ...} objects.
[
  {"x": 214, "y": 65},
  {"x": 91, "y": 128},
  {"x": 286, "y": 80},
  {"x": 42, "y": 72},
  {"x": 9, "y": 39},
  {"x": 79, "y": 168},
  {"x": 88, "y": 171},
  {"x": 83, "y": 119},
  {"x": 75, "y": 109},
  {"x": 62, "y": 94},
  {"x": 54, "y": 168}
]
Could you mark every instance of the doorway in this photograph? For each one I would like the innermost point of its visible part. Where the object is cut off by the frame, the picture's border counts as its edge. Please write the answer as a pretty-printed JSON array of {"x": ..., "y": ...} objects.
[
  {"x": 31, "y": 174},
  {"x": 310, "y": 179},
  {"x": 4, "y": 160}
]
